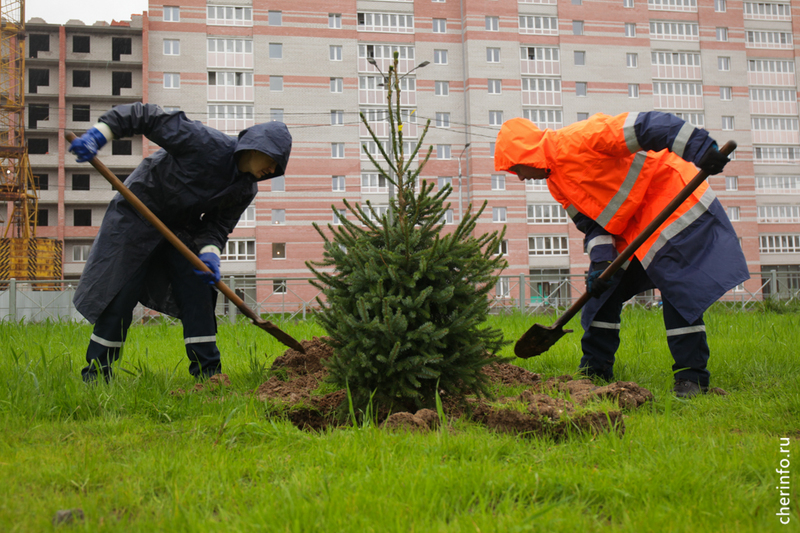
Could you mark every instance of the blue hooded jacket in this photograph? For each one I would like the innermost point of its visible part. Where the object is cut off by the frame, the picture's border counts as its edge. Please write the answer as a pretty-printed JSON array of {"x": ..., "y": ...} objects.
[{"x": 192, "y": 184}]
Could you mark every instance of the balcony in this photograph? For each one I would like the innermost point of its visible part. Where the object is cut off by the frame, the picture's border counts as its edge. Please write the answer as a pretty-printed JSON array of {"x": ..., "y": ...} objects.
[{"x": 372, "y": 91}]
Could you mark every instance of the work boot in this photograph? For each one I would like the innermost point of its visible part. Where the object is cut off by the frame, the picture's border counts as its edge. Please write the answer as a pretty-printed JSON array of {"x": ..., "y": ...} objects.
[{"x": 687, "y": 389}]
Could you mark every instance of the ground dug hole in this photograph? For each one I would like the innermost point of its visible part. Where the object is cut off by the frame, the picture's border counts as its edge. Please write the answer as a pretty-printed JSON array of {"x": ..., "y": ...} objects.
[{"x": 553, "y": 407}]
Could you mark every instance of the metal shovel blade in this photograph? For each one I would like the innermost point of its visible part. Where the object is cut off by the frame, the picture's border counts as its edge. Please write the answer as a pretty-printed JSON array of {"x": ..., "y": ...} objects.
[{"x": 538, "y": 339}]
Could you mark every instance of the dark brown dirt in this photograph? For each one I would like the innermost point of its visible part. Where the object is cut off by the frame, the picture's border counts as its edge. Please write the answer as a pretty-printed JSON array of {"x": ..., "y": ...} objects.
[{"x": 555, "y": 407}]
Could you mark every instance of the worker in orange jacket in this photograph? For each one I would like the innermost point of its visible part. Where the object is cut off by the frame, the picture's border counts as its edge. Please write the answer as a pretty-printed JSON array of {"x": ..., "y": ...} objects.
[{"x": 613, "y": 175}]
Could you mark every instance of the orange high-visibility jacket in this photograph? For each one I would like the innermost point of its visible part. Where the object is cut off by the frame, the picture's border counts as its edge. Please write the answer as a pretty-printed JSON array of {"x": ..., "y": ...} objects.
[{"x": 621, "y": 171}]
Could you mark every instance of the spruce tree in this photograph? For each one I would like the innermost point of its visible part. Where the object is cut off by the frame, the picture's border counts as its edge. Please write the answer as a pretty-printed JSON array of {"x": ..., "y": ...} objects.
[{"x": 406, "y": 302}]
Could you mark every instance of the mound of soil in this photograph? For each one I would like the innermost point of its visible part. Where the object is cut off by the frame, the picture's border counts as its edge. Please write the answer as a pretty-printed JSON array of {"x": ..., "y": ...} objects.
[{"x": 552, "y": 407}]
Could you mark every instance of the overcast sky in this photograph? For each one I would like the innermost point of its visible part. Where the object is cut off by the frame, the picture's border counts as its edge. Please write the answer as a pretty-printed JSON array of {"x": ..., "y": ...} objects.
[{"x": 89, "y": 11}]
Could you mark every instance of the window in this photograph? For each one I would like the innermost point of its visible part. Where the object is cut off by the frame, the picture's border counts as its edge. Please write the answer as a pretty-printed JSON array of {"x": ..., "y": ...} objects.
[
  {"x": 41, "y": 181},
  {"x": 239, "y": 250},
  {"x": 447, "y": 218},
  {"x": 633, "y": 90},
  {"x": 627, "y": 3},
  {"x": 275, "y": 18},
  {"x": 498, "y": 182},
  {"x": 172, "y": 80},
  {"x": 372, "y": 182},
  {"x": 276, "y": 83},
  {"x": 172, "y": 47},
  {"x": 444, "y": 182},
  {"x": 120, "y": 46},
  {"x": 727, "y": 123},
  {"x": 337, "y": 150},
  {"x": 80, "y": 44},
  {"x": 503, "y": 248},
  {"x": 580, "y": 57},
  {"x": 278, "y": 184},
  {"x": 495, "y": 86},
  {"x": 779, "y": 244},
  {"x": 555, "y": 245},
  {"x": 335, "y": 21},
  {"x": 491, "y": 148},
  {"x": 119, "y": 81},
  {"x": 546, "y": 214},
  {"x": 121, "y": 147},
  {"x": 337, "y": 85},
  {"x": 731, "y": 183},
  {"x": 80, "y": 182},
  {"x": 172, "y": 14},
  {"x": 337, "y": 183},
  {"x": 495, "y": 118},
  {"x": 81, "y": 78},
  {"x": 733, "y": 214},
  {"x": 37, "y": 112},
  {"x": 38, "y": 146},
  {"x": 279, "y": 216},
  {"x": 230, "y": 16},
  {"x": 275, "y": 51},
  {"x": 38, "y": 42},
  {"x": 632, "y": 60},
  {"x": 580, "y": 88},
  {"x": 442, "y": 120},
  {"x": 442, "y": 151},
  {"x": 582, "y": 116},
  {"x": 630, "y": 29},
  {"x": 725, "y": 93},
  {"x": 492, "y": 23},
  {"x": 80, "y": 252},
  {"x": 577, "y": 27},
  {"x": 779, "y": 214},
  {"x": 722, "y": 34},
  {"x": 720, "y": 6},
  {"x": 440, "y": 57},
  {"x": 42, "y": 217},
  {"x": 279, "y": 250},
  {"x": 499, "y": 214},
  {"x": 439, "y": 25},
  {"x": 441, "y": 88},
  {"x": 248, "y": 217},
  {"x": 279, "y": 286},
  {"x": 335, "y": 52},
  {"x": 337, "y": 117},
  {"x": 492, "y": 55},
  {"x": 339, "y": 216},
  {"x": 38, "y": 78},
  {"x": 723, "y": 63},
  {"x": 82, "y": 217},
  {"x": 538, "y": 25},
  {"x": 276, "y": 114}
]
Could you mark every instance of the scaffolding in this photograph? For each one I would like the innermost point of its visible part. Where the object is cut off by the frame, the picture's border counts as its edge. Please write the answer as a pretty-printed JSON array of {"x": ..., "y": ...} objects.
[{"x": 22, "y": 254}]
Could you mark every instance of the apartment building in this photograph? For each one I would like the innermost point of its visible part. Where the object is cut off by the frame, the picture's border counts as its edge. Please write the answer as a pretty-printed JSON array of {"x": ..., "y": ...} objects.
[{"x": 727, "y": 66}]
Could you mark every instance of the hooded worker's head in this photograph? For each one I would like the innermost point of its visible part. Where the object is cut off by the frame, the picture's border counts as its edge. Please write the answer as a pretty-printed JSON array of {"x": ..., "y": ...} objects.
[
  {"x": 521, "y": 142},
  {"x": 263, "y": 150}
]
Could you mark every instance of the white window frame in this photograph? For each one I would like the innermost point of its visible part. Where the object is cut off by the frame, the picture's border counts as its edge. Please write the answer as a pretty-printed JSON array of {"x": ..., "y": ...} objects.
[
  {"x": 278, "y": 217},
  {"x": 722, "y": 34},
  {"x": 500, "y": 215},
  {"x": 172, "y": 80},
  {"x": 442, "y": 119},
  {"x": 338, "y": 184},
  {"x": 335, "y": 52},
  {"x": 239, "y": 250},
  {"x": 731, "y": 183},
  {"x": 248, "y": 217},
  {"x": 726, "y": 94},
  {"x": 492, "y": 54},
  {"x": 337, "y": 150},
  {"x": 440, "y": 57},
  {"x": 633, "y": 90},
  {"x": 443, "y": 151},
  {"x": 492, "y": 23},
  {"x": 494, "y": 86},
  {"x": 723, "y": 63},
  {"x": 337, "y": 117},
  {"x": 495, "y": 118},
  {"x": 549, "y": 213},
  {"x": 172, "y": 14},
  {"x": 172, "y": 47},
  {"x": 335, "y": 21},
  {"x": 540, "y": 245},
  {"x": 337, "y": 85},
  {"x": 727, "y": 123},
  {"x": 632, "y": 60},
  {"x": 439, "y": 26},
  {"x": 630, "y": 29},
  {"x": 581, "y": 89},
  {"x": 498, "y": 182},
  {"x": 441, "y": 88}
]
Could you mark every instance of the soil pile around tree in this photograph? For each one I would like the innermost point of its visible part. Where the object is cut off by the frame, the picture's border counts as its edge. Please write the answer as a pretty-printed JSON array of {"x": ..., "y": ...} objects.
[{"x": 553, "y": 407}]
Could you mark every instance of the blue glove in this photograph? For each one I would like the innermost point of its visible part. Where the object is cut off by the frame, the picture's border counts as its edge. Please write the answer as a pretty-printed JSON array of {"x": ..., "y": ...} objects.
[
  {"x": 712, "y": 162},
  {"x": 594, "y": 285},
  {"x": 87, "y": 145},
  {"x": 212, "y": 262}
]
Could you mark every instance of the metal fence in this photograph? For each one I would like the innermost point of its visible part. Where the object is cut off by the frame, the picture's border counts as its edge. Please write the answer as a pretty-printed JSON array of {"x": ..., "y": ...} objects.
[{"x": 292, "y": 298}]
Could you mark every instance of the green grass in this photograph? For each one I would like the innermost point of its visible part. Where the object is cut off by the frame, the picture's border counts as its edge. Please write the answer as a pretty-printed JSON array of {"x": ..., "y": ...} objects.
[{"x": 136, "y": 458}]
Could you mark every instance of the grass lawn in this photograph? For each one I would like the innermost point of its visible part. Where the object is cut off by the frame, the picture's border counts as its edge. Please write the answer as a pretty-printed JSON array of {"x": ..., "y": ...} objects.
[{"x": 135, "y": 457}]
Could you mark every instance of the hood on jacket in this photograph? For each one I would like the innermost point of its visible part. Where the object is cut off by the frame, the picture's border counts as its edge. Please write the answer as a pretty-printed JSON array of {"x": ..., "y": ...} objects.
[
  {"x": 271, "y": 138},
  {"x": 521, "y": 142}
]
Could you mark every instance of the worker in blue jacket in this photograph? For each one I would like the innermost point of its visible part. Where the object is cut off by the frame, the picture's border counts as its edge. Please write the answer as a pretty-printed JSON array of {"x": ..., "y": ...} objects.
[
  {"x": 198, "y": 184},
  {"x": 613, "y": 175}
]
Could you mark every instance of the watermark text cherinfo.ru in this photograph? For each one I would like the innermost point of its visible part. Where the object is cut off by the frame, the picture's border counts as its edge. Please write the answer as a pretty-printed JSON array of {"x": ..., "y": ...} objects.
[{"x": 784, "y": 482}]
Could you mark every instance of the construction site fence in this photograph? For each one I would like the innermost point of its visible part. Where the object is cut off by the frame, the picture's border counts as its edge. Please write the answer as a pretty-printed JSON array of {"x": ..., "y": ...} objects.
[{"x": 296, "y": 298}]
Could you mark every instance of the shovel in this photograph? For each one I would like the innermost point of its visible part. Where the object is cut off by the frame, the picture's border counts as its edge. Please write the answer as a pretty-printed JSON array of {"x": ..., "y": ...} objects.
[
  {"x": 538, "y": 339},
  {"x": 266, "y": 325}
]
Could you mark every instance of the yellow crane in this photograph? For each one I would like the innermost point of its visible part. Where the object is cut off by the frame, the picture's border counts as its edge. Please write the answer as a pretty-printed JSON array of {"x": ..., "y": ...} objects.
[{"x": 22, "y": 254}]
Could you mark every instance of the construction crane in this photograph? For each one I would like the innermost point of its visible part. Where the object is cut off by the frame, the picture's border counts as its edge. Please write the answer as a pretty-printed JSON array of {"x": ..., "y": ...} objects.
[{"x": 22, "y": 255}]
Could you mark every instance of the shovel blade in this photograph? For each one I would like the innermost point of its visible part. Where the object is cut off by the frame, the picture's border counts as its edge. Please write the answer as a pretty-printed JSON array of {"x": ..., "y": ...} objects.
[
  {"x": 278, "y": 333},
  {"x": 537, "y": 340}
]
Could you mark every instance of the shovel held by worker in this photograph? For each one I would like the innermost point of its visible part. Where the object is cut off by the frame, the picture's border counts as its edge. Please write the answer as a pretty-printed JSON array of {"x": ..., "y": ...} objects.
[
  {"x": 266, "y": 325},
  {"x": 538, "y": 339}
]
